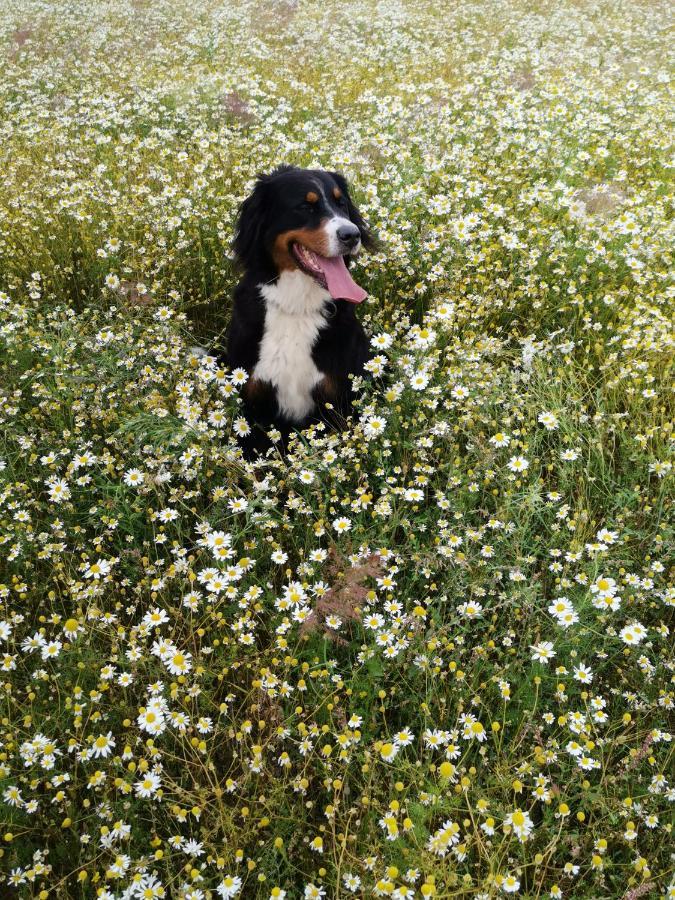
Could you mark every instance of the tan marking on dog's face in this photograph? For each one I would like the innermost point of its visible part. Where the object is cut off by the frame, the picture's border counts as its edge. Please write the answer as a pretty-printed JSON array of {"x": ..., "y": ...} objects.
[
  {"x": 311, "y": 197},
  {"x": 314, "y": 239},
  {"x": 337, "y": 193}
]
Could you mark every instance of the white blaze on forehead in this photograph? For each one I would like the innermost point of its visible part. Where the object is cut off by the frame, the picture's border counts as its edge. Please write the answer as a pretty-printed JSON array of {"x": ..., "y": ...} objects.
[
  {"x": 331, "y": 229},
  {"x": 293, "y": 319}
]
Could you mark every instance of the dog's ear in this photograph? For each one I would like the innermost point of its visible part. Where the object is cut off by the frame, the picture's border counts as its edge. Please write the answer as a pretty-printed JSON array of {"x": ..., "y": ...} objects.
[
  {"x": 251, "y": 222},
  {"x": 368, "y": 239}
]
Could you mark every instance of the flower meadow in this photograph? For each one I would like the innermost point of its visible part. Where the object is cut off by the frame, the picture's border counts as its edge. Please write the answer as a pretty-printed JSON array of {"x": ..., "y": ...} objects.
[{"x": 429, "y": 655}]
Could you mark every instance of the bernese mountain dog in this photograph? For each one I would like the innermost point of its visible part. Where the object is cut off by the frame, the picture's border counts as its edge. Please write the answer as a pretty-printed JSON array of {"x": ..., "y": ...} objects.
[{"x": 293, "y": 327}]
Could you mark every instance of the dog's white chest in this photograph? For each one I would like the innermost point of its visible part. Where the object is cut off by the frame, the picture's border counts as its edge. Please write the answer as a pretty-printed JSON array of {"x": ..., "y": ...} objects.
[{"x": 293, "y": 319}]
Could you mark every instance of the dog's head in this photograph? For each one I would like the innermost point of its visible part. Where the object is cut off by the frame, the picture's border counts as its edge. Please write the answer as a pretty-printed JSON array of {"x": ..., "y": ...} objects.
[{"x": 302, "y": 219}]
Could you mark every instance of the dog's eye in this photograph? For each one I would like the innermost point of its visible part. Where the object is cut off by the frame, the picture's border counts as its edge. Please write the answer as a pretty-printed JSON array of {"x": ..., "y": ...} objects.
[{"x": 306, "y": 205}]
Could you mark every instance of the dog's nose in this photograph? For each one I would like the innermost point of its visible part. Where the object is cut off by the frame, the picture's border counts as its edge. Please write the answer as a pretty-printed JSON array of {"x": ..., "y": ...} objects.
[{"x": 349, "y": 235}]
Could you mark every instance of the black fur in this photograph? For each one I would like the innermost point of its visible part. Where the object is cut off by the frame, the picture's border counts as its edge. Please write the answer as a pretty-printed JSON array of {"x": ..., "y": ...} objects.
[{"x": 274, "y": 207}]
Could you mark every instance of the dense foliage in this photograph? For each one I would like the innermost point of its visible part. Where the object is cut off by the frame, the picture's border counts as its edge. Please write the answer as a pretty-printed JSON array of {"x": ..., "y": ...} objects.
[{"x": 430, "y": 656}]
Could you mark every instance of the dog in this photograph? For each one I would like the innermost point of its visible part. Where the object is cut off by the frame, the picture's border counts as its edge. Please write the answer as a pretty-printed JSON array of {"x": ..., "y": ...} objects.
[{"x": 293, "y": 327}]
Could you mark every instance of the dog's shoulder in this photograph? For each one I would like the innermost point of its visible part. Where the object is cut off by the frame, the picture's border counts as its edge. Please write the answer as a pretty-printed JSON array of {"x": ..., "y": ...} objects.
[
  {"x": 246, "y": 326},
  {"x": 248, "y": 303}
]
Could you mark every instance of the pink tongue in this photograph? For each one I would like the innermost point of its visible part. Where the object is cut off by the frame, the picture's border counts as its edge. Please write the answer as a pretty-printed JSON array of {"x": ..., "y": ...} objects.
[{"x": 340, "y": 283}]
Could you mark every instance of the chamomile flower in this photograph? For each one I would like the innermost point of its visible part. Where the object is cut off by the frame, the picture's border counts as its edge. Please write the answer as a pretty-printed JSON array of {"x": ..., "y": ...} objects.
[
  {"x": 520, "y": 823},
  {"x": 148, "y": 785},
  {"x": 341, "y": 524},
  {"x": 518, "y": 464},
  {"x": 543, "y": 651}
]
